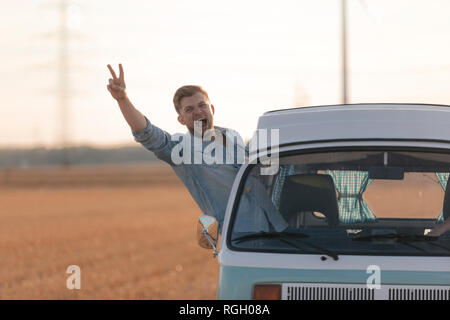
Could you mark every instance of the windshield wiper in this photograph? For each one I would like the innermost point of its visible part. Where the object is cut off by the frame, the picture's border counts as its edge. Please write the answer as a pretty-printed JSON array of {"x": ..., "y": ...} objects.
[
  {"x": 397, "y": 237},
  {"x": 264, "y": 234},
  {"x": 404, "y": 239},
  {"x": 283, "y": 236}
]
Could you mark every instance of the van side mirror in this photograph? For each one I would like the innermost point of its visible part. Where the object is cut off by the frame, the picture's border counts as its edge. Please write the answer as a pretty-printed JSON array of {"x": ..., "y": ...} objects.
[{"x": 207, "y": 233}]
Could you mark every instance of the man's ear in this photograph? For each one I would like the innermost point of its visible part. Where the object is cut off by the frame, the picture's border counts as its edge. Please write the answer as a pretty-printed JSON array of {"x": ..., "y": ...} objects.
[
  {"x": 212, "y": 109},
  {"x": 180, "y": 120}
]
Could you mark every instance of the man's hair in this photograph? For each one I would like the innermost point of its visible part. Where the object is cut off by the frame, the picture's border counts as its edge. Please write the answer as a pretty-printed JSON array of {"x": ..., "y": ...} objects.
[{"x": 187, "y": 91}]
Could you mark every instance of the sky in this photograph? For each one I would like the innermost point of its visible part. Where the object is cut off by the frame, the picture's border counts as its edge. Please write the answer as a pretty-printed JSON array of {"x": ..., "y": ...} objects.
[{"x": 251, "y": 56}]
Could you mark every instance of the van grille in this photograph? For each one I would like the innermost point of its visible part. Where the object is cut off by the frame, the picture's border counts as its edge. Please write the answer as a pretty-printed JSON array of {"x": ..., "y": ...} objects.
[
  {"x": 419, "y": 294},
  {"x": 314, "y": 291}
]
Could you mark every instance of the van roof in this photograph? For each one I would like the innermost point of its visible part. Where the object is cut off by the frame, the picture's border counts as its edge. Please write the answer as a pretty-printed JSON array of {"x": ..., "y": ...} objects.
[{"x": 366, "y": 121}]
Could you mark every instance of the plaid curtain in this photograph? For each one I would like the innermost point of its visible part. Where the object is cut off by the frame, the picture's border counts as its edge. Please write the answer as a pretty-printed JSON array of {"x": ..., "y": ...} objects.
[
  {"x": 285, "y": 170},
  {"x": 443, "y": 178},
  {"x": 351, "y": 186}
]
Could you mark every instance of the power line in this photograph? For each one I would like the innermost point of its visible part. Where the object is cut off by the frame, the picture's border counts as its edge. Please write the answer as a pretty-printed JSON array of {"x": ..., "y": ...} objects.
[
  {"x": 63, "y": 76},
  {"x": 344, "y": 51}
]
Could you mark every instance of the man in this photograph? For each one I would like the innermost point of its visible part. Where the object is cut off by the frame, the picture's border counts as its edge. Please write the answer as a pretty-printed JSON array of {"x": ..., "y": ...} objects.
[{"x": 208, "y": 182}]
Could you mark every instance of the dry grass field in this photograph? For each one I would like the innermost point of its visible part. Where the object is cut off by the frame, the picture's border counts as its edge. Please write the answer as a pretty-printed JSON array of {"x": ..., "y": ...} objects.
[{"x": 130, "y": 229}]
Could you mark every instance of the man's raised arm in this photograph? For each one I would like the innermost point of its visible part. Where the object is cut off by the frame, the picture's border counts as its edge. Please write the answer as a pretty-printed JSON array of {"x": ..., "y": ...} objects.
[
  {"x": 116, "y": 87},
  {"x": 151, "y": 137}
]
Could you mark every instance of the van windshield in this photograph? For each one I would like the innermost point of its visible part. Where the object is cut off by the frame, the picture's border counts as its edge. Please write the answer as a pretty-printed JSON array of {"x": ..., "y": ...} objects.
[{"x": 347, "y": 202}]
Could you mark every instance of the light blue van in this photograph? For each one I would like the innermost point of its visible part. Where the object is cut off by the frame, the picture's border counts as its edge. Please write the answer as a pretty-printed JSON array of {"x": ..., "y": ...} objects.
[{"x": 358, "y": 188}]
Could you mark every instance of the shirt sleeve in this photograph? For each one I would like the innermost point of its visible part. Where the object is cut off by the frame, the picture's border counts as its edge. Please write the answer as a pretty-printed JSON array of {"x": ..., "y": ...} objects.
[
  {"x": 262, "y": 200},
  {"x": 247, "y": 149},
  {"x": 156, "y": 140}
]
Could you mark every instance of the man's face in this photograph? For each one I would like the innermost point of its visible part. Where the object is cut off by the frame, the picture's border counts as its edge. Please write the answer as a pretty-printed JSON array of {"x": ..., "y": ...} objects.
[{"x": 196, "y": 108}]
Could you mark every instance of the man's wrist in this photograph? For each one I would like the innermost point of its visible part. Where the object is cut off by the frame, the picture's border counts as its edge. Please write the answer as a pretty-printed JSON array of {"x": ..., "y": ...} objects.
[{"x": 119, "y": 100}]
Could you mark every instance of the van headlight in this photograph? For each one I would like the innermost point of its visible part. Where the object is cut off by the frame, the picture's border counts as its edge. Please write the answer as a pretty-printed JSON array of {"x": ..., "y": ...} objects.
[{"x": 267, "y": 291}]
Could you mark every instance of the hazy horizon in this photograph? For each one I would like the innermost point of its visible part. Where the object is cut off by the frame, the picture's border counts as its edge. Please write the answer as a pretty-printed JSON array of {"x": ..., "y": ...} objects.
[{"x": 250, "y": 56}]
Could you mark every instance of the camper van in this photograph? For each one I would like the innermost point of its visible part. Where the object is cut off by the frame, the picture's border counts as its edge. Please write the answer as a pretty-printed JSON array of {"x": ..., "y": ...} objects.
[{"x": 347, "y": 212}]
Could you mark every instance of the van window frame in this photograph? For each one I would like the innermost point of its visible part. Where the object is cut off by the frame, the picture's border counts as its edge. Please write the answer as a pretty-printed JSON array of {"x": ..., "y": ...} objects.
[{"x": 248, "y": 169}]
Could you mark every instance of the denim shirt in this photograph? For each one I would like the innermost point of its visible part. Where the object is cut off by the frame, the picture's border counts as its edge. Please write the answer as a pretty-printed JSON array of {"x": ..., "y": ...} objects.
[{"x": 210, "y": 184}]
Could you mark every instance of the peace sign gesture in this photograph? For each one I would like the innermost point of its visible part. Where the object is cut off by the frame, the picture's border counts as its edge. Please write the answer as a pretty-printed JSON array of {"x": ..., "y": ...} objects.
[{"x": 117, "y": 85}]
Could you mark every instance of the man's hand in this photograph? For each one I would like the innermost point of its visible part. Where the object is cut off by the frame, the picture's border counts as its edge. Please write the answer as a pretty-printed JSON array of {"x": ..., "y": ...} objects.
[
  {"x": 117, "y": 85},
  {"x": 440, "y": 229}
]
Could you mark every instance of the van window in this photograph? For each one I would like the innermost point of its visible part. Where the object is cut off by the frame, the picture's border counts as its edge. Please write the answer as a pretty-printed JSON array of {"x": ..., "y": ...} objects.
[{"x": 348, "y": 202}]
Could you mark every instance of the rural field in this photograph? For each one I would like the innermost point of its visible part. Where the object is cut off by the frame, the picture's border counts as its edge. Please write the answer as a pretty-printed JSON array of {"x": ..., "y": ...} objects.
[{"x": 130, "y": 229}]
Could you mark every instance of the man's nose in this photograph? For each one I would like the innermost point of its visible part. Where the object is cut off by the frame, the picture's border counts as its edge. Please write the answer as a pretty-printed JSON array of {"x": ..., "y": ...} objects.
[{"x": 198, "y": 111}]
